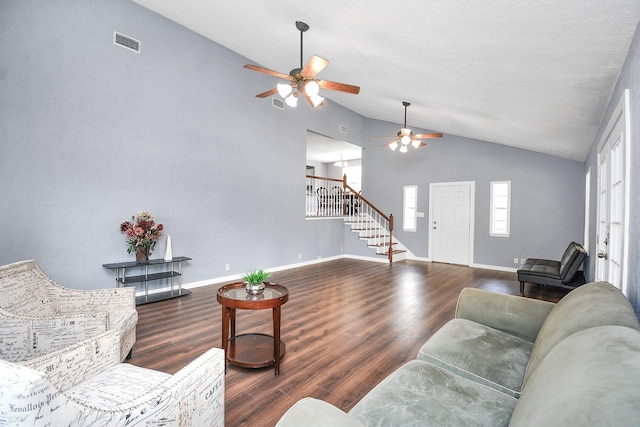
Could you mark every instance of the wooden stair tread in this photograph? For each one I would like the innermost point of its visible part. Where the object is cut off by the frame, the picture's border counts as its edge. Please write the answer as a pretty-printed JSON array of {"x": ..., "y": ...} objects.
[
  {"x": 395, "y": 251},
  {"x": 382, "y": 245}
]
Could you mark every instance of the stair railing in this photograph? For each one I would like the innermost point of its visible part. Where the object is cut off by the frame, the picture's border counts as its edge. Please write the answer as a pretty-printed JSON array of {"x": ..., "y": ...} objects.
[{"x": 333, "y": 197}]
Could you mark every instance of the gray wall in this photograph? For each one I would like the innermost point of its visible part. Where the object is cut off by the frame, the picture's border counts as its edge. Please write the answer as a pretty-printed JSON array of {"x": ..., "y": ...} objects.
[
  {"x": 547, "y": 193},
  {"x": 629, "y": 79},
  {"x": 90, "y": 133}
]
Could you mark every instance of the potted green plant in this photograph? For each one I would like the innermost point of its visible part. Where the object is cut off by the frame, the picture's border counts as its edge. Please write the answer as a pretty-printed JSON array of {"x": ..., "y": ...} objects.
[{"x": 254, "y": 281}]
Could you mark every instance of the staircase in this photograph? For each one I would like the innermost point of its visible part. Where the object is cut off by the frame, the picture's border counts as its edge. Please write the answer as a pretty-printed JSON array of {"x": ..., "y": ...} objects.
[
  {"x": 331, "y": 197},
  {"x": 376, "y": 237}
]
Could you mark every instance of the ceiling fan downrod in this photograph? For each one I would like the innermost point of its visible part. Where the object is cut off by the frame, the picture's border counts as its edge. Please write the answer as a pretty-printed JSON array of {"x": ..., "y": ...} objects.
[
  {"x": 406, "y": 104},
  {"x": 302, "y": 27}
]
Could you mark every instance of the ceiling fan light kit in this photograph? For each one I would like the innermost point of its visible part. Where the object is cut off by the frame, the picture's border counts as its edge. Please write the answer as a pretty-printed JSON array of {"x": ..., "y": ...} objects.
[
  {"x": 284, "y": 90},
  {"x": 405, "y": 137},
  {"x": 292, "y": 100},
  {"x": 302, "y": 80}
]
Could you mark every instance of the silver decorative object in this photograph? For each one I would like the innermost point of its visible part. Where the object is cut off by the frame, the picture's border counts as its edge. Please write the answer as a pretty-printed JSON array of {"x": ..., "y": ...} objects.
[{"x": 254, "y": 288}]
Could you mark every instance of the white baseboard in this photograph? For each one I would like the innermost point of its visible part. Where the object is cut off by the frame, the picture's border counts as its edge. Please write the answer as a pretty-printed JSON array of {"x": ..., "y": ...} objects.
[
  {"x": 366, "y": 258},
  {"x": 494, "y": 267},
  {"x": 236, "y": 277},
  {"x": 473, "y": 265},
  {"x": 418, "y": 258}
]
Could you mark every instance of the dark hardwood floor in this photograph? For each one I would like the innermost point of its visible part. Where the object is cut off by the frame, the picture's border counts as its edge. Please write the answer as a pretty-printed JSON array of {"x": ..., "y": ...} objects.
[{"x": 347, "y": 325}]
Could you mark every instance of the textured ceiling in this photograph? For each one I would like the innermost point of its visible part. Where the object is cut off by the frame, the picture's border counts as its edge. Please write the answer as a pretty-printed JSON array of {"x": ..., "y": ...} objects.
[{"x": 526, "y": 73}]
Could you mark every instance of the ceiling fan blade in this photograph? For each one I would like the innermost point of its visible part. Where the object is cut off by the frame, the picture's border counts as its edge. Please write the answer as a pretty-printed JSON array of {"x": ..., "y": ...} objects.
[
  {"x": 313, "y": 67},
  {"x": 342, "y": 87},
  {"x": 267, "y": 93},
  {"x": 397, "y": 141},
  {"x": 427, "y": 135},
  {"x": 268, "y": 71},
  {"x": 383, "y": 137}
]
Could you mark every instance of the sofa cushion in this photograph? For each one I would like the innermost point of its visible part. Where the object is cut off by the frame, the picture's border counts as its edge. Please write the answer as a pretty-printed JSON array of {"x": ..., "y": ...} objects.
[
  {"x": 480, "y": 353},
  {"x": 419, "y": 394},
  {"x": 588, "y": 379},
  {"x": 571, "y": 260},
  {"x": 310, "y": 412},
  {"x": 594, "y": 304}
]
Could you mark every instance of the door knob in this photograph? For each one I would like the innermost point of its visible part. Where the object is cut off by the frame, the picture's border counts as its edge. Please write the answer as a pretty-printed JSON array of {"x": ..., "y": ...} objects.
[{"x": 602, "y": 255}]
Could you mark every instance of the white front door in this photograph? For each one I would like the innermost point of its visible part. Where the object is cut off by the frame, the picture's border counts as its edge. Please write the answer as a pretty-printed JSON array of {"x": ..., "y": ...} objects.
[
  {"x": 610, "y": 233},
  {"x": 451, "y": 222}
]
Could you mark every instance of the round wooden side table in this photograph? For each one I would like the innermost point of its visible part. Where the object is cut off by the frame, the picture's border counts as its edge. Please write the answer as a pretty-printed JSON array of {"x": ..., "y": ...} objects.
[{"x": 252, "y": 350}]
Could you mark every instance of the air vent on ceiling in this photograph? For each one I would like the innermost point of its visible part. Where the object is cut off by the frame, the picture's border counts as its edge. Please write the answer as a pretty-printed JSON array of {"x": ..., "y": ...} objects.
[
  {"x": 343, "y": 129},
  {"x": 126, "y": 42},
  {"x": 278, "y": 103}
]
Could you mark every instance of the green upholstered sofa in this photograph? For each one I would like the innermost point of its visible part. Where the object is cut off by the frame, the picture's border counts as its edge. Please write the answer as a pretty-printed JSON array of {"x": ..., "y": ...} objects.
[{"x": 508, "y": 360}]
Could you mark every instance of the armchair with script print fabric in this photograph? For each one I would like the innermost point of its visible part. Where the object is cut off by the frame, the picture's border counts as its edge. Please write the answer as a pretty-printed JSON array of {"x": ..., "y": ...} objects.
[
  {"x": 38, "y": 316},
  {"x": 85, "y": 385}
]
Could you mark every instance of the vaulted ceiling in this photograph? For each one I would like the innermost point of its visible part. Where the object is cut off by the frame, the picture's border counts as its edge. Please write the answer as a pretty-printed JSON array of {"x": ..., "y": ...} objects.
[{"x": 533, "y": 74}]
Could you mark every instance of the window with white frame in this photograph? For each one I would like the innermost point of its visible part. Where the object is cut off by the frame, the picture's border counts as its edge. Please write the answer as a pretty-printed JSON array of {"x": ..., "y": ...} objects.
[
  {"x": 500, "y": 209},
  {"x": 587, "y": 202},
  {"x": 410, "y": 197}
]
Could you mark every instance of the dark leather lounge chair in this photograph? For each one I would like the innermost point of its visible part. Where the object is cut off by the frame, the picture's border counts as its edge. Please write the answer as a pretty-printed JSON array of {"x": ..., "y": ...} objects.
[{"x": 563, "y": 273}]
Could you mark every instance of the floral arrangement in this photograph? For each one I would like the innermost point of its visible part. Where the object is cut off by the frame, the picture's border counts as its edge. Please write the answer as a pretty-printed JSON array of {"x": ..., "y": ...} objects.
[{"x": 142, "y": 232}]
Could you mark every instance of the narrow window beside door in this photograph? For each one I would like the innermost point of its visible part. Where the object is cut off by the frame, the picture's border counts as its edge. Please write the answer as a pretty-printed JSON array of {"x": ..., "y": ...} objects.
[
  {"x": 500, "y": 208},
  {"x": 409, "y": 221}
]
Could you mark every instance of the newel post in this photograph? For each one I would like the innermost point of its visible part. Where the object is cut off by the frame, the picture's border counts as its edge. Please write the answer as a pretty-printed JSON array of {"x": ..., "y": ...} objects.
[
  {"x": 390, "y": 238},
  {"x": 344, "y": 182}
]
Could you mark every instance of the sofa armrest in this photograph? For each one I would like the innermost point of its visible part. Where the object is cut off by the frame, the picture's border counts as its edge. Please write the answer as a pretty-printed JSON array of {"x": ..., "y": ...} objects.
[
  {"x": 25, "y": 337},
  {"x": 76, "y": 363},
  {"x": 515, "y": 315},
  {"x": 192, "y": 396},
  {"x": 310, "y": 412}
]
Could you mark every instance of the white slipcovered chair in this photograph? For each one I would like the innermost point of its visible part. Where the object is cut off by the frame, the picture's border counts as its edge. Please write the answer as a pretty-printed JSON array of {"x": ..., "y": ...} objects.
[
  {"x": 85, "y": 384},
  {"x": 38, "y": 316}
]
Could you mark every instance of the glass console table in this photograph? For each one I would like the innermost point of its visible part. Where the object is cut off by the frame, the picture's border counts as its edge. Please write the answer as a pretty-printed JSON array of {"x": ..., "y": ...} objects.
[{"x": 167, "y": 270}]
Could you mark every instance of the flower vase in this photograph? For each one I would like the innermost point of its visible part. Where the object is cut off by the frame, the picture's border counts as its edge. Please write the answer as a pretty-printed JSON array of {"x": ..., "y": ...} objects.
[{"x": 142, "y": 255}]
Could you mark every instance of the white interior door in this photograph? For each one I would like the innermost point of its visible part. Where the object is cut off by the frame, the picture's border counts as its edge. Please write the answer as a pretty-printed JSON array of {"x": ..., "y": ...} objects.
[
  {"x": 610, "y": 237},
  {"x": 450, "y": 234}
]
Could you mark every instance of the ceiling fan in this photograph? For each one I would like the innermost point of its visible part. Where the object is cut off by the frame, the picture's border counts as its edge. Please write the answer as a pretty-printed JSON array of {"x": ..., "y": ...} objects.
[
  {"x": 303, "y": 80},
  {"x": 406, "y": 137}
]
